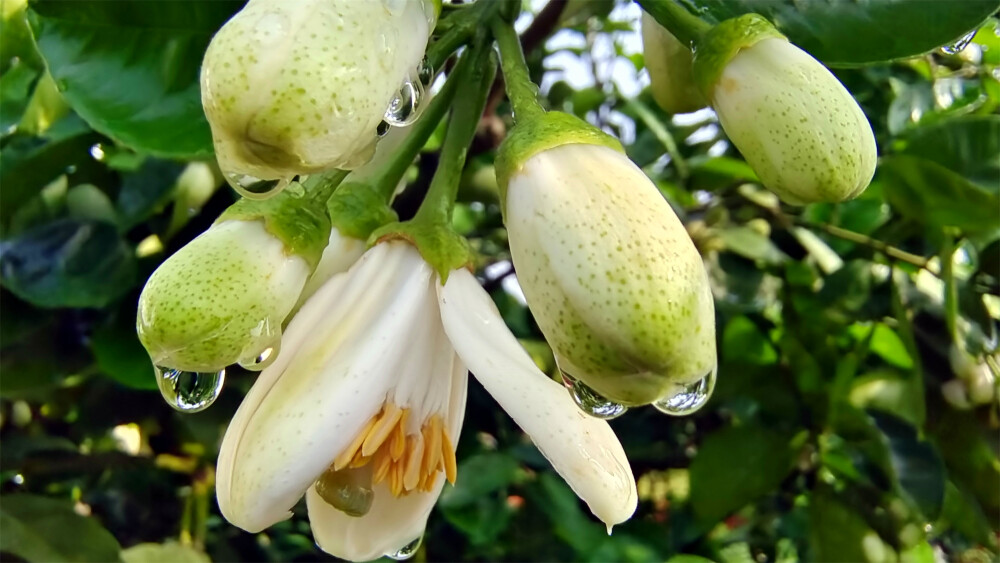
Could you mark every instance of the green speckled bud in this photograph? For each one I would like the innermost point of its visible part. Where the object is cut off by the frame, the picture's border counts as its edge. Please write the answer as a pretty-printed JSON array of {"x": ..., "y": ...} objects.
[
  {"x": 794, "y": 122},
  {"x": 220, "y": 299},
  {"x": 298, "y": 86},
  {"x": 610, "y": 274},
  {"x": 669, "y": 64}
]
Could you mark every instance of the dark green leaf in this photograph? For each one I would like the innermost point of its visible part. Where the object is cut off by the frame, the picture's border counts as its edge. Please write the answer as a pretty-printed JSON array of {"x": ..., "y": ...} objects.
[
  {"x": 68, "y": 263},
  {"x": 930, "y": 193},
  {"x": 763, "y": 457},
  {"x": 15, "y": 90},
  {"x": 130, "y": 68},
  {"x": 838, "y": 534},
  {"x": 146, "y": 189},
  {"x": 850, "y": 33},
  {"x": 42, "y": 529},
  {"x": 916, "y": 464},
  {"x": 120, "y": 355},
  {"x": 481, "y": 475},
  {"x": 968, "y": 145},
  {"x": 742, "y": 342}
]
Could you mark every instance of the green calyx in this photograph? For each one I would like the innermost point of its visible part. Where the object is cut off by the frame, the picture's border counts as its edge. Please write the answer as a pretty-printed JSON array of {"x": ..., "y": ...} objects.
[
  {"x": 717, "y": 47},
  {"x": 439, "y": 245},
  {"x": 549, "y": 130},
  {"x": 357, "y": 210},
  {"x": 297, "y": 216}
]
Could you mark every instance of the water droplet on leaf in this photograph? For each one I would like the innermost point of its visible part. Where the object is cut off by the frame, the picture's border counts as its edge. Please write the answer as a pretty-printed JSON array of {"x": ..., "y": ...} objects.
[
  {"x": 347, "y": 490},
  {"x": 961, "y": 44},
  {"x": 407, "y": 551},
  {"x": 591, "y": 402},
  {"x": 687, "y": 399},
  {"x": 255, "y": 188},
  {"x": 189, "y": 391},
  {"x": 404, "y": 107}
]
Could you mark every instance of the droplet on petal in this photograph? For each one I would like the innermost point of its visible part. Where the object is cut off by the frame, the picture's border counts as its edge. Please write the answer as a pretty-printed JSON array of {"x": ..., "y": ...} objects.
[
  {"x": 591, "y": 402},
  {"x": 347, "y": 490},
  {"x": 405, "y": 105},
  {"x": 407, "y": 551},
  {"x": 258, "y": 360},
  {"x": 189, "y": 391},
  {"x": 255, "y": 188},
  {"x": 686, "y": 399}
]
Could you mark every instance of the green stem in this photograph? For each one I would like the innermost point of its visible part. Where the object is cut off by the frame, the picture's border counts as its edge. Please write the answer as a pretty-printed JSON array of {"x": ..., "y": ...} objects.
[
  {"x": 521, "y": 90},
  {"x": 950, "y": 286},
  {"x": 874, "y": 244},
  {"x": 386, "y": 181},
  {"x": 319, "y": 187},
  {"x": 475, "y": 80},
  {"x": 682, "y": 24}
]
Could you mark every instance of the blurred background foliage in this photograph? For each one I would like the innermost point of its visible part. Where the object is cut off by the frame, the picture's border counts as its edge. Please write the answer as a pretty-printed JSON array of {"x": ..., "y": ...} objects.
[{"x": 856, "y": 414}]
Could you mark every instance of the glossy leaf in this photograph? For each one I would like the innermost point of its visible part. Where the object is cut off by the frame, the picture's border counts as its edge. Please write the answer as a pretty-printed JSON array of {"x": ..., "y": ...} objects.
[
  {"x": 850, "y": 33},
  {"x": 969, "y": 146},
  {"x": 130, "y": 68},
  {"x": 42, "y": 529}
]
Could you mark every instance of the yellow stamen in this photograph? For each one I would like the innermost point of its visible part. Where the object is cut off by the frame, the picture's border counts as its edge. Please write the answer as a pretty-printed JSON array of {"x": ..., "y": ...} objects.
[{"x": 404, "y": 462}]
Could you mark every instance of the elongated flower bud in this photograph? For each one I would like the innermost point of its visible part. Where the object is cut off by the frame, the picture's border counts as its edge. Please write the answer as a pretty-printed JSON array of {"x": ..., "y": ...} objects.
[
  {"x": 669, "y": 64},
  {"x": 299, "y": 86},
  {"x": 220, "y": 299},
  {"x": 793, "y": 121},
  {"x": 609, "y": 272}
]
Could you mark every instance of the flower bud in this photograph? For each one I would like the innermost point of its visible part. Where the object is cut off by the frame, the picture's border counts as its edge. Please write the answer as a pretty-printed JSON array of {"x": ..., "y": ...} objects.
[
  {"x": 609, "y": 272},
  {"x": 794, "y": 122},
  {"x": 669, "y": 64},
  {"x": 220, "y": 299},
  {"x": 299, "y": 86}
]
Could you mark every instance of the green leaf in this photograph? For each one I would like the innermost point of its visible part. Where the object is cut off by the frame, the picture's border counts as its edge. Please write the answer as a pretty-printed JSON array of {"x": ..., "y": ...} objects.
[
  {"x": 838, "y": 534},
  {"x": 42, "y": 529},
  {"x": 763, "y": 458},
  {"x": 750, "y": 244},
  {"x": 120, "y": 355},
  {"x": 918, "y": 468},
  {"x": 481, "y": 475},
  {"x": 742, "y": 342},
  {"x": 130, "y": 68},
  {"x": 15, "y": 89},
  {"x": 886, "y": 391},
  {"x": 967, "y": 145},
  {"x": 930, "y": 193},
  {"x": 851, "y": 33},
  {"x": 146, "y": 189},
  {"x": 167, "y": 552},
  {"x": 68, "y": 263},
  {"x": 554, "y": 497}
]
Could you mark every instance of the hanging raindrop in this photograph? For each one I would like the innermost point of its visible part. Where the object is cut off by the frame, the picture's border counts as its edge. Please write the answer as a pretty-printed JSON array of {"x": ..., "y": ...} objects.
[
  {"x": 382, "y": 129},
  {"x": 686, "y": 399},
  {"x": 260, "y": 360},
  {"x": 189, "y": 391},
  {"x": 425, "y": 73},
  {"x": 407, "y": 551},
  {"x": 347, "y": 490},
  {"x": 255, "y": 188},
  {"x": 403, "y": 109},
  {"x": 958, "y": 46},
  {"x": 590, "y": 401}
]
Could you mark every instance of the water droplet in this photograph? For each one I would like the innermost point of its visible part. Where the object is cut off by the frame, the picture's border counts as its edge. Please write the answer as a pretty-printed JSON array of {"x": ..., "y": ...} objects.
[
  {"x": 958, "y": 46},
  {"x": 425, "y": 73},
  {"x": 407, "y": 551},
  {"x": 189, "y": 391},
  {"x": 347, "y": 490},
  {"x": 590, "y": 401},
  {"x": 382, "y": 129},
  {"x": 257, "y": 361},
  {"x": 403, "y": 109},
  {"x": 394, "y": 7},
  {"x": 686, "y": 399},
  {"x": 255, "y": 188}
]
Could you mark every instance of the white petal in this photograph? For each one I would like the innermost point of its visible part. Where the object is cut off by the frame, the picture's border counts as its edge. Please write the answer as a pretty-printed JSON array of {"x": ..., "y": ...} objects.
[
  {"x": 339, "y": 255},
  {"x": 389, "y": 525},
  {"x": 584, "y": 450},
  {"x": 341, "y": 355}
]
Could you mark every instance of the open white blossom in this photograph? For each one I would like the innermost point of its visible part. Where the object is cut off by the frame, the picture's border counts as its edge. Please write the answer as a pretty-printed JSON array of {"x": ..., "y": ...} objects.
[{"x": 361, "y": 410}]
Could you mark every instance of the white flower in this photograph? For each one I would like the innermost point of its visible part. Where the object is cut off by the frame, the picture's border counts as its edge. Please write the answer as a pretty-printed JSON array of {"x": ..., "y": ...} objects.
[
  {"x": 298, "y": 86},
  {"x": 610, "y": 274},
  {"x": 220, "y": 299},
  {"x": 364, "y": 404},
  {"x": 669, "y": 64}
]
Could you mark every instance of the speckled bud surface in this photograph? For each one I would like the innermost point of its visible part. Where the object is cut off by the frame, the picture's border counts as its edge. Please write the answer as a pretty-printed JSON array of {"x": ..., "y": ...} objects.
[
  {"x": 298, "y": 86},
  {"x": 610, "y": 274},
  {"x": 795, "y": 123},
  {"x": 669, "y": 64},
  {"x": 219, "y": 299}
]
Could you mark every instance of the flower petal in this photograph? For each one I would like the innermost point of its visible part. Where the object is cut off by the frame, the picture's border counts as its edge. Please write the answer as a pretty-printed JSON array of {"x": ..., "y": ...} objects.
[
  {"x": 341, "y": 355},
  {"x": 584, "y": 450}
]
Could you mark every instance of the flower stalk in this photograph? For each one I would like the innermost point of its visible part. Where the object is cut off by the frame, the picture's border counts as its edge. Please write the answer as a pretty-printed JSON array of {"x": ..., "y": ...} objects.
[
  {"x": 521, "y": 91},
  {"x": 682, "y": 24}
]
